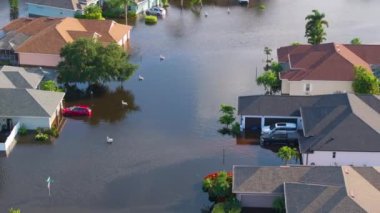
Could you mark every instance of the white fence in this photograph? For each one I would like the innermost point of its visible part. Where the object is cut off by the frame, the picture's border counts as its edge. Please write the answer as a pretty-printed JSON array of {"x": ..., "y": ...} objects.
[{"x": 10, "y": 139}]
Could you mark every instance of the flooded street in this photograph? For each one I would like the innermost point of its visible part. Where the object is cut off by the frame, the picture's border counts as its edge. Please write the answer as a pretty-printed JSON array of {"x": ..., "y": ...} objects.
[{"x": 166, "y": 140}]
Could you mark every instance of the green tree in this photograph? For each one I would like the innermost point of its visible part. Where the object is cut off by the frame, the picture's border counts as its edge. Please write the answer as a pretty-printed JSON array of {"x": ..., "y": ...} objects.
[
  {"x": 270, "y": 81},
  {"x": 365, "y": 82},
  {"x": 13, "y": 6},
  {"x": 50, "y": 86},
  {"x": 279, "y": 205},
  {"x": 287, "y": 153},
  {"x": 356, "y": 41},
  {"x": 269, "y": 59},
  {"x": 228, "y": 115},
  {"x": 314, "y": 29},
  {"x": 93, "y": 11},
  {"x": 88, "y": 61}
]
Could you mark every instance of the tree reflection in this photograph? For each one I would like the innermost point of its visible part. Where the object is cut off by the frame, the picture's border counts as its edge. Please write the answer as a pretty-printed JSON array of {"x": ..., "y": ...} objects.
[{"x": 105, "y": 103}]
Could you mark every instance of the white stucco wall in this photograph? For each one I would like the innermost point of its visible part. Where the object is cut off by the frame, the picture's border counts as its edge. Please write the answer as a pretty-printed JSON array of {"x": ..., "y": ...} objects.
[
  {"x": 285, "y": 87},
  {"x": 325, "y": 158},
  {"x": 36, "y": 59},
  {"x": 57, "y": 112},
  {"x": 43, "y": 10},
  {"x": 259, "y": 200},
  {"x": 319, "y": 87}
]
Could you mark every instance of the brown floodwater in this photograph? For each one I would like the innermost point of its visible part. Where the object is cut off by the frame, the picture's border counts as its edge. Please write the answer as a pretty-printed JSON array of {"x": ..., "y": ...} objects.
[{"x": 166, "y": 139}]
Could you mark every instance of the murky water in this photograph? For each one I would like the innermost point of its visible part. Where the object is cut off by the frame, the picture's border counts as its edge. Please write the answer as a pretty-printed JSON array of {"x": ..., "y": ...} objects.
[{"x": 167, "y": 139}]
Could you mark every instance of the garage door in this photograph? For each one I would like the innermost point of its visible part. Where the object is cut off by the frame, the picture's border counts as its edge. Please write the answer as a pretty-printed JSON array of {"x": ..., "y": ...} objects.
[
  {"x": 253, "y": 124},
  {"x": 269, "y": 121}
]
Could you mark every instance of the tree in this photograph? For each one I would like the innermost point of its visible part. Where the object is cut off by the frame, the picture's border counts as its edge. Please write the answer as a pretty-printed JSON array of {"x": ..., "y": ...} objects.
[
  {"x": 287, "y": 153},
  {"x": 365, "y": 82},
  {"x": 13, "y": 6},
  {"x": 88, "y": 61},
  {"x": 269, "y": 59},
  {"x": 314, "y": 29},
  {"x": 356, "y": 41},
  {"x": 93, "y": 11},
  {"x": 228, "y": 115},
  {"x": 270, "y": 81},
  {"x": 12, "y": 210}
]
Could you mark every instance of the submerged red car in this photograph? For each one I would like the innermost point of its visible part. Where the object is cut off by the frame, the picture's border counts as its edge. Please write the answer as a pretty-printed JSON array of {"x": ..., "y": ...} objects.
[{"x": 77, "y": 111}]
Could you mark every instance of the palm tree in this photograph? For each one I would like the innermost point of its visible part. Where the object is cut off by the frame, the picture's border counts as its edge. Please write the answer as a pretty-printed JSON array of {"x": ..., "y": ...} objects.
[
  {"x": 287, "y": 153},
  {"x": 315, "y": 33}
]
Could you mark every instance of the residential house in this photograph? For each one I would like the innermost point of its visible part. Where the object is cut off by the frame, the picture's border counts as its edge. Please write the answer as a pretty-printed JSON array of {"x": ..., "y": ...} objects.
[
  {"x": 337, "y": 129},
  {"x": 139, "y": 6},
  {"x": 38, "y": 41},
  {"x": 308, "y": 188},
  {"x": 324, "y": 68},
  {"x": 60, "y": 8},
  {"x": 21, "y": 101}
]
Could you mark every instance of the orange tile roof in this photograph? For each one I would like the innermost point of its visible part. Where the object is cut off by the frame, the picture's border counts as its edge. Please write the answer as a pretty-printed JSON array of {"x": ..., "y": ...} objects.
[
  {"x": 334, "y": 62},
  {"x": 49, "y": 35}
]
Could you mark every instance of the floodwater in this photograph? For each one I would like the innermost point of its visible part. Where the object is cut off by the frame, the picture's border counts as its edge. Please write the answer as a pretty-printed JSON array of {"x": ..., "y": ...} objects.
[{"x": 166, "y": 140}]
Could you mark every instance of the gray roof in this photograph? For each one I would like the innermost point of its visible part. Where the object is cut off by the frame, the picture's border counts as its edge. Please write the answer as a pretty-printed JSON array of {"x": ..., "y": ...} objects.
[
  {"x": 12, "y": 40},
  {"x": 306, "y": 188},
  {"x": 28, "y": 102},
  {"x": 326, "y": 119},
  {"x": 276, "y": 105},
  {"x": 18, "y": 77},
  {"x": 318, "y": 198},
  {"x": 270, "y": 179},
  {"x": 325, "y": 128},
  {"x": 67, "y": 4}
]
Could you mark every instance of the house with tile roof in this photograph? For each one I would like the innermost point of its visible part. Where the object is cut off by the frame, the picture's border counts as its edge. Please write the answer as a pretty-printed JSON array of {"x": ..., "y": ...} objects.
[
  {"x": 324, "y": 68},
  {"x": 336, "y": 129},
  {"x": 54, "y": 8},
  {"x": 38, "y": 41},
  {"x": 308, "y": 188}
]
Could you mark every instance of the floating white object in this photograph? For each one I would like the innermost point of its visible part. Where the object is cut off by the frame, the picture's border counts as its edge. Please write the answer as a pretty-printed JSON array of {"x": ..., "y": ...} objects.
[
  {"x": 124, "y": 103},
  {"x": 206, "y": 14},
  {"x": 162, "y": 57},
  {"x": 109, "y": 140},
  {"x": 228, "y": 10},
  {"x": 141, "y": 78}
]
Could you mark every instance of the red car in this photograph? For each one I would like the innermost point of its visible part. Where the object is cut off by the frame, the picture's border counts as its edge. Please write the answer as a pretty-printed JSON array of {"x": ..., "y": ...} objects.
[{"x": 77, "y": 111}]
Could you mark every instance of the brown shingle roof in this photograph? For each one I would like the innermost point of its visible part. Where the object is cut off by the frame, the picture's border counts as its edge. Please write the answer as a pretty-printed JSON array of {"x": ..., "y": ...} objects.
[
  {"x": 321, "y": 62},
  {"x": 49, "y": 35}
]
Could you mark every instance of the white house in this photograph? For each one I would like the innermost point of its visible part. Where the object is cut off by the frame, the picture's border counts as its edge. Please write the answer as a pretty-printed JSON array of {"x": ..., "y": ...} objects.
[
  {"x": 343, "y": 189},
  {"x": 54, "y": 8},
  {"x": 337, "y": 129}
]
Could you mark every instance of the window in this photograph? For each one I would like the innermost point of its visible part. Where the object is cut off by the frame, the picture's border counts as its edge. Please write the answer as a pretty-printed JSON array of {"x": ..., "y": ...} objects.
[
  {"x": 334, "y": 154},
  {"x": 307, "y": 87}
]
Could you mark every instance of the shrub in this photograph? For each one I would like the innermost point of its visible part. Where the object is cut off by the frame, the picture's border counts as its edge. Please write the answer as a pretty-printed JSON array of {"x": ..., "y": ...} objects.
[
  {"x": 23, "y": 130},
  {"x": 41, "y": 137},
  {"x": 131, "y": 14},
  {"x": 52, "y": 132},
  {"x": 356, "y": 41},
  {"x": 150, "y": 19},
  {"x": 279, "y": 205},
  {"x": 235, "y": 128},
  {"x": 12, "y": 210},
  {"x": 262, "y": 6},
  {"x": 50, "y": 86}
]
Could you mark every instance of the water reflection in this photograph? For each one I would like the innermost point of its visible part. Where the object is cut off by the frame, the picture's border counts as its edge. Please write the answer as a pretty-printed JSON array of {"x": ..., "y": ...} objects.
[{"x": 105, "y": 103}]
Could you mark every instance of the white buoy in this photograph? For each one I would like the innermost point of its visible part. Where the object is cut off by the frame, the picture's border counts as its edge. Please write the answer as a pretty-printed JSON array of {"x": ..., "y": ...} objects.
[
  {"x": 228, "y": 10},
  {"x": 109, "y": 140},
  {"x": 141, "y": 78},
  {"x": 162, "y": 57},
  {"x": 206, "y": 14},
  {"x": 124, "y": 103}
]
